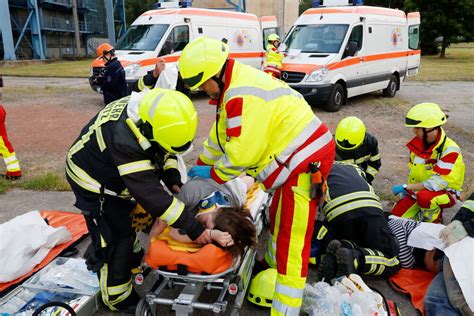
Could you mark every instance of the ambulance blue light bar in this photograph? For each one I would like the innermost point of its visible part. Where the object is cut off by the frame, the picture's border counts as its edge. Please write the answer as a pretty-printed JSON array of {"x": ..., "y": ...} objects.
[{"x": 333, "y": 3}]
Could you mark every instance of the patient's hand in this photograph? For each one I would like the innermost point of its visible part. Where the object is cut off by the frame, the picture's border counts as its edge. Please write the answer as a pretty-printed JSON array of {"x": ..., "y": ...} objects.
[
  {"x": 157, "y": 228},
  {"x": 223, "y": 238}
]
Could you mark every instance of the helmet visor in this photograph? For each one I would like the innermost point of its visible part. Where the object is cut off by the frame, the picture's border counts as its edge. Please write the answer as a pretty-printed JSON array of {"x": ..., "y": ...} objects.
[
  {"x": 193, "y": 82},
  {"x": 411, "y": 122}
]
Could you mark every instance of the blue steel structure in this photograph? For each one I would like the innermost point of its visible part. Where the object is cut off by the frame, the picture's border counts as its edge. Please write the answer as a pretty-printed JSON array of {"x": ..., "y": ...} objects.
[
  {"x": 115, "y": 19},
  {"x": 29, "y": 26}
]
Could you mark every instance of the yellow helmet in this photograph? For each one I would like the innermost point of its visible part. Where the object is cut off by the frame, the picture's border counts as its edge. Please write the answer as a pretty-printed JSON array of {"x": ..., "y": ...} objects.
[
  {"x": 168, "y": 118},
  {"x": 202, "y": 59},
  {"x": 350, "y": 133},
  {"x": 273, "y": 37},
  {"x": 262, "y": 288},
  {"x": 425, "y": 115}
]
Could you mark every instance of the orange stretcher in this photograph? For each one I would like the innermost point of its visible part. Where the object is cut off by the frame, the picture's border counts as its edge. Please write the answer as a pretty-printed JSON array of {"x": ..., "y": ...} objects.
[
  {"x": 74, "y": 222},
  {"x": 208, "y": 267}
]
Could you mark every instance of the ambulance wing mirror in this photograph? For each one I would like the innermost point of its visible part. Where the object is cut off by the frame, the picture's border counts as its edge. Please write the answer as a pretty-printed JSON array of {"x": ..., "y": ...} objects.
[{"x": 351, "y": 49}]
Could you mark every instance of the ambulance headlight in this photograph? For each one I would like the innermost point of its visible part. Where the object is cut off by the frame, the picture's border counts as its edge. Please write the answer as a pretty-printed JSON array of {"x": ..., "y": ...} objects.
[
  {"x": 131, "y": 70},
  {"x": 317, "y": 75}
]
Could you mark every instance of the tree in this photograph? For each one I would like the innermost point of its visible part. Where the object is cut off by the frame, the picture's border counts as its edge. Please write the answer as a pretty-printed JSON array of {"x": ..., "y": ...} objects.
[
  {"x": 450, "y": 19},
  {"x": 133, "y": 8}
]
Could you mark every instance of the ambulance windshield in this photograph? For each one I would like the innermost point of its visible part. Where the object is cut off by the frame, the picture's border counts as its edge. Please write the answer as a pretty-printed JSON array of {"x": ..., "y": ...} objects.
[
  {"x": 142, "y": 37},
  {"x": 317, "y": 38}
]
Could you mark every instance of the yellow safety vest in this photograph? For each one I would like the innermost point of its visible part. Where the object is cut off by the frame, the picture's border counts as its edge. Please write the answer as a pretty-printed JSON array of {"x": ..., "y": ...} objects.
[{"x": 274, "y": 57}]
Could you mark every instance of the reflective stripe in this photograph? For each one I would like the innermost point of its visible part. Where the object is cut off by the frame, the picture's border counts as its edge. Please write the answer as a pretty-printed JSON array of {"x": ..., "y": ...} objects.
[
  {"x": 206, "y": 153},
  {"x": 173, "y": 212},
  {"x": 371, "y": 170},
  {"x": 289, "y": 291},
  {"x": 234, "y": 122},
  {"x": 418, "y": 160},
  {"x": 9, "y": 158},
  {"x": 13, "y": 166},
  {"x": 375, "y": 158},
  {"x": 285, "y": 309},
  {"x": 380, "y": 270},
  {"x": 141, "y": 84},
  {"x": 151, "y": 113},
  {"x": 81, "y": 178},
  {"x": 100, "y": 138},
  {"x": 266, "y": 95},
  {"x": 351, "y": 206},
  {"x": 444, "y": 165},
  {"x": 301, "y": 156},
  {"x": 136, "y": 166},
  {"x": 348, "y": 197},
  {"x": 381, "y": 260},
  {"x": 435, "y": 183},
  {"x": 228, "y": 165},
  {"x": 170, "y": 163},
  {"x": 321, "y": 233},
  {"x": 469, "y": 204},
  {"x": 103, "y": 287},
  {"x": 123, "y": 296},
  {"x": 451, "y": 149},
  {"x": 211, "y": 144},
  {"x": 118, "y": 289}
]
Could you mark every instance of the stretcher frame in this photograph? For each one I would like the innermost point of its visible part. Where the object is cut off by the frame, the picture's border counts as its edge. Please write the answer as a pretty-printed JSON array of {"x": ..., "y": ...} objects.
[{"x": 236, "y": 280}]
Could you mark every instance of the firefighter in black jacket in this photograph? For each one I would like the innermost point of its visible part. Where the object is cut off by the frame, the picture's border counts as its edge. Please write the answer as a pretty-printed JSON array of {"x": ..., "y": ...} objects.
[
  {"x": 112, "y": 77},
  {"x": 355, "y": 230},
  {"x": 354, "y": 145},
  {"x": 124, "y": 152}
]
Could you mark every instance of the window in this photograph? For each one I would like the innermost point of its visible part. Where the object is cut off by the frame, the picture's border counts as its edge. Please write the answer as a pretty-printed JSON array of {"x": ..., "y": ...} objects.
[
  {"x": 178, "y": 38},
  {"x": 356, "y": 36},
  {"x": 142, "y": 37},
  {"x": 317, "y": 38},
  {"x": 414, "y": 37}
]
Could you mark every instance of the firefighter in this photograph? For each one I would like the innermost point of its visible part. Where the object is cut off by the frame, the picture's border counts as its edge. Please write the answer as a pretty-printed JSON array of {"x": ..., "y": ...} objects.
[
  {"x": 355, "y": 229},
  {"x": 6, "y": 149},
  {"x": 274, "y": 56},
  {"x": 266, "y": 129},
  {"x": 436, "y": 167},
  {"x": 112, "y": 78},
  {"x": 354, "y": 145},
  {"x": 124, "y": 152}
]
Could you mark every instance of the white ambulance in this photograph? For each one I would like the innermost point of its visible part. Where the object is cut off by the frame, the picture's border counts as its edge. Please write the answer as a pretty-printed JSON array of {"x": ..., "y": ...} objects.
[
  {"x": 335, "y": 53},
  {"x": 164, "y": 33}
]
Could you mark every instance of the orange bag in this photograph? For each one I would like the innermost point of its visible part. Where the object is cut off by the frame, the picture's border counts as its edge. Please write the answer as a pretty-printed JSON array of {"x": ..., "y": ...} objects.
[
  {"x": 415, "y": 283},
  {"x": 210, "y": 259}
]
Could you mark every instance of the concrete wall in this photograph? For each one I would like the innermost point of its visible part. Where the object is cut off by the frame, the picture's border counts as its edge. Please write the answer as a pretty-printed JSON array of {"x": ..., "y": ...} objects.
[{"x": 286, "y": 11}]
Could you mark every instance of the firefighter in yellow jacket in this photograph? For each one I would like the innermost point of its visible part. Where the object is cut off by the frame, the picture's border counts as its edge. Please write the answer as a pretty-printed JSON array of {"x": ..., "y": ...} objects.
[
  {"x": 274, "y": 56},
  {"x": 436, "y": 167},
  {"x": 267, "y": 130}
]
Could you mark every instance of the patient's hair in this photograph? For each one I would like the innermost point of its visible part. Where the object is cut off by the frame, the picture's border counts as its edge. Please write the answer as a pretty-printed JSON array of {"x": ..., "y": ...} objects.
[{"x": 239, "y": 224}]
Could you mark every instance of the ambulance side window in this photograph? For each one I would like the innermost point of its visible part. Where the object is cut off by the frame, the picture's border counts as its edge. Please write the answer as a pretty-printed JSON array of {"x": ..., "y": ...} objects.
[
  {"x": 177, "y": 39},
  {"x": 356, "y": 36},
  {"x": 266, "y": 32},
  {"x": 414, "y": 37}
]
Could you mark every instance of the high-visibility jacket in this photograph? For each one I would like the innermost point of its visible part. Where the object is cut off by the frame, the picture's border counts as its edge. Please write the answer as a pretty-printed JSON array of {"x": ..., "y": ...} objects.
[
  {"x": 274, "y": 57},
  {"x": 6, "y": 149},
  {"x": 348, "y": 195},
  {"x": 366, "y": 156},
  {"x": 466, "y": 215},
  {"x": 107, "y": 155},
  {"x": 440, "y": 167},
  {"x": 261, "y": 124}
]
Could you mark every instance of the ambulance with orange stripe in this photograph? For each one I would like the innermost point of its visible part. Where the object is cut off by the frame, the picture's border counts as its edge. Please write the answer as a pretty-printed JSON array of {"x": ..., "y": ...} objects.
[
  {"x": 335, "y": 53},
  {"x": 164, "y": 33}
]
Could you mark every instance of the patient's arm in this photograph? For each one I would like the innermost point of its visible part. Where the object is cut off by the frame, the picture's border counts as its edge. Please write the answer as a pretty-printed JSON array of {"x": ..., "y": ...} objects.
[
  {"x": 157, "y": 228},
  {"x": 248, "y": 181},
  {"x": 222, "y": 238}
]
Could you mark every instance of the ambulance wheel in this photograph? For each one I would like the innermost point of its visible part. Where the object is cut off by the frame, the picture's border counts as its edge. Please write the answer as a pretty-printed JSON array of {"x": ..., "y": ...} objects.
[
  {"x": 143, "y": 308},
  {"x": 336, "y": 98},
  {"x": 392, "y": 87}
]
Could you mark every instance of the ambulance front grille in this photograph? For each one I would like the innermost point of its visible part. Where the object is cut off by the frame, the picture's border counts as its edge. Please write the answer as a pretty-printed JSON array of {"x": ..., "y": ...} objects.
[{"x": 292, "y": 76}]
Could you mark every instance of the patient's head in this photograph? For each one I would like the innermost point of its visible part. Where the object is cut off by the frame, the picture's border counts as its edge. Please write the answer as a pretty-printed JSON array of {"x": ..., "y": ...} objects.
[{"x": 238, "y": 223}]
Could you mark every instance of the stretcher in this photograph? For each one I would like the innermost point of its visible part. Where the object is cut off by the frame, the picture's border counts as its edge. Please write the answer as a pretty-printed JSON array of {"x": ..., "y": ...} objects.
[{"x": 231, "y": 278}]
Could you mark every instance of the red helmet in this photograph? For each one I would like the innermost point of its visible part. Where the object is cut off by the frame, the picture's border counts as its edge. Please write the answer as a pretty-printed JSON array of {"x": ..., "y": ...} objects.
[{"x": 103, "y": 49}]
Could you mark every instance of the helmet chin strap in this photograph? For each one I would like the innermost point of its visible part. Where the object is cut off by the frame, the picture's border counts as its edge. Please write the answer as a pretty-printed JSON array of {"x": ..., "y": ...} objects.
[{"x": 426, "y": 144}]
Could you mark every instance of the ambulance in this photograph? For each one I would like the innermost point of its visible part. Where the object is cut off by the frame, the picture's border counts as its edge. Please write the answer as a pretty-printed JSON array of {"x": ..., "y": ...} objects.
[
  {"x": 334, "y": 53},
  {"x": 163, "y": 33}
]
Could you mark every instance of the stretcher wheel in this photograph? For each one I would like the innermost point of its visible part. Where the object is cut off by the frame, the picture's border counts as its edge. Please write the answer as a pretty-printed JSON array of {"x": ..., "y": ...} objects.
[{"x": 143, "y": 308}]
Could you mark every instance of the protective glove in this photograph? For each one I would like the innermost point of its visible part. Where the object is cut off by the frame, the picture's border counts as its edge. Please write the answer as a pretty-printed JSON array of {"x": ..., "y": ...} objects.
[
  {"x": 94, "y": 258},
  {"x": 453, "y": 233},
  {"x": 200, "y": 171},
  {"x": 399, "y": 189}
]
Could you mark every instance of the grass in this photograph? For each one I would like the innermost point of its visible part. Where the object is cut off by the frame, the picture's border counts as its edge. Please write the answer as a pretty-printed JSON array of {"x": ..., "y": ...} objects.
[
  {"x": 48, "y": 181},
  {"x": 457, "y": 66},
  {"x": 46, "y": 68}
]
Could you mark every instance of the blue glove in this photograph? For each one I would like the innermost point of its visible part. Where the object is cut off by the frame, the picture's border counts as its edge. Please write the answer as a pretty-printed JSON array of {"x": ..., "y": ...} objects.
[
  {"x": 200, "y": 171},
  {"x": 399, "y": 189}
]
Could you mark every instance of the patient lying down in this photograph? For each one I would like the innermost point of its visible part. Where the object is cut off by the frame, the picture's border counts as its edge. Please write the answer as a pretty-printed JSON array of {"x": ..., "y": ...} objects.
[{"x": 220, "y": 209}]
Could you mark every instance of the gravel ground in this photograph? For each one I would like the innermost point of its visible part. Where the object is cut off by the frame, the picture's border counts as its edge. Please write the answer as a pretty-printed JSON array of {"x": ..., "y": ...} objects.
[{"x": 46, "y": 115}]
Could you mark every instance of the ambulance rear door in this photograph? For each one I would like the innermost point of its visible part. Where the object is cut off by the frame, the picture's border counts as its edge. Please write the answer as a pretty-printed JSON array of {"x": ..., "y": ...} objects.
[{"x": 414, "y": 52}]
